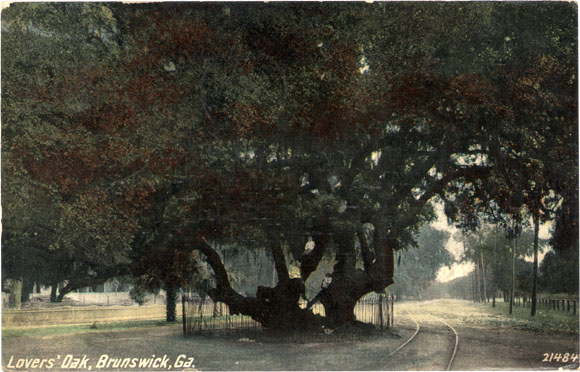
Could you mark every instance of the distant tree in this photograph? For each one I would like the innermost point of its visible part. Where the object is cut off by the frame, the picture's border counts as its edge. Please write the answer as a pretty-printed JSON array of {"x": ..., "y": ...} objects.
[
  {"x": 491, "y": 247},
  {"x": 558, "y": 272},
  {"x": 59, "y": 224},
  {"x": 418, "y": 267}
]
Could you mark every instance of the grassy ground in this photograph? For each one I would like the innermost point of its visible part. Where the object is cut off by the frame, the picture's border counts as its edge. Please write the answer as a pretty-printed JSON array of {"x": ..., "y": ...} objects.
[
  {"x": 546, "y": 321},
  {"x": 84, "y": 328}
]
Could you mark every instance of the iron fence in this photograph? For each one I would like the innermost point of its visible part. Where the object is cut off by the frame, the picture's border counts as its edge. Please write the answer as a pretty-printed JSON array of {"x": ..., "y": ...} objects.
[
  {"x": 202, "y": 314},
  {"x": 376, "y": 309}
]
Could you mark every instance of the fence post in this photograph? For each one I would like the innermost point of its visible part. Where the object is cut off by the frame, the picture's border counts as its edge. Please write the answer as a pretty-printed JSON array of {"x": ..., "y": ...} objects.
[
  {"x": 183, "y": 314},
  {"x": 388, "y": 311},
  {"x": 392, "y": 310},
  {"x": 381, "y": 309}
]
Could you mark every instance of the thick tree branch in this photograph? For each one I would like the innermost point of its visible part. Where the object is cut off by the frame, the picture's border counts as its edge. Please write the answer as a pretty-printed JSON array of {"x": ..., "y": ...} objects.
[
  {"x": 311, "y": 261},
  {"x": 365, "y": 252},
  {"x": 223, "y": 289},
  {"x": 435, "y": 188},
  {"x": 101, "y": 277},
  {"x": 279, "y": 262}
]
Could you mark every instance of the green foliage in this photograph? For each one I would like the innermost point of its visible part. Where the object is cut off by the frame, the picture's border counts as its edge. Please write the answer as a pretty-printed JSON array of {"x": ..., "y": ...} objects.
[
  {"x": 558, "y": 272},
  {"x": 131, "y": 131},
  {"x": 545, "y": 321},
  {"x": 417, "y": 268}
]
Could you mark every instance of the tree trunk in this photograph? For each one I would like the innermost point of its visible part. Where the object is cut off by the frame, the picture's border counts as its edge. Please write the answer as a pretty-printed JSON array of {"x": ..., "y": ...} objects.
[
  {"x": 16, "y": 294},
  {"x": 278, "y": 307},
  {"x": 340, "y": 311},
  {"x": 170, "y": 303},
  {"x": 63, "y": 292},
  {"x": 483, "y": 289},
  {"x": 513, "y": 277},
  {"x": 477, "y": 285},
  {"x": 535, "y": 275},
  {"x": 53, "y": 289},
  {"x": 341, "y": 296},
  {"x": 27, "y": 289},
  {"x": 473, "y": 287}
]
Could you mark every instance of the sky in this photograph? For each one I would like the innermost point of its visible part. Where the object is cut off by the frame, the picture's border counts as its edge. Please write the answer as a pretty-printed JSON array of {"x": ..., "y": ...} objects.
[{"x": 455, "y": 247}]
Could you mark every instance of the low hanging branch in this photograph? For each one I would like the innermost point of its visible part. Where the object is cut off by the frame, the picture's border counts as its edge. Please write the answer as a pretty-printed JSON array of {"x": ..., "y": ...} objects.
[
  {"x": 223, "y": 290},
  {"x": 100, "y": 278}
]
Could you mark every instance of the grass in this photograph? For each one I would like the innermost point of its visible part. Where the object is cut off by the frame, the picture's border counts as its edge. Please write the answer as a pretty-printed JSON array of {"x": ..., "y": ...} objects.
[
  {"x": 545, "y": 321},
  {"x": 84, "y": 328},
  {"x": 454, "y": 311}
]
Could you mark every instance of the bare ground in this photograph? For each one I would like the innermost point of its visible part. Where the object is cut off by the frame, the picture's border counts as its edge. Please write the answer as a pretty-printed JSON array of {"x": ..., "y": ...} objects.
[{"x": 479, "y": 348}]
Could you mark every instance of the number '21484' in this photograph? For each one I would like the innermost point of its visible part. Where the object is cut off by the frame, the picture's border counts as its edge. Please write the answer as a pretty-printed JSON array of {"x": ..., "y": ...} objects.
[{"x": 559, "y": 357}]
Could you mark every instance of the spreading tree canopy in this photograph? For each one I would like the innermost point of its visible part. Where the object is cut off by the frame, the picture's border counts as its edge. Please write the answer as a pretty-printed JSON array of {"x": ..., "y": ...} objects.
[{"x": 150, "y": 130}]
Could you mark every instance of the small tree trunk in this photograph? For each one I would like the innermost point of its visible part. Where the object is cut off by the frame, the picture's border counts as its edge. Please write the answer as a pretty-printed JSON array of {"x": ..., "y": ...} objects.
[
  {"x": 53, "y": 288},
  {"x": 535, "y": 277},
  {"x": 513, "y": 277},
  {"x": 477, "y": 285},
  {"x": 16, "y": 294},
  {"x": 483, "y": 279},
  {"x": 27, "y": 290},
  {"x": 63, "y": 292},
  {"x": 473, "y": 290},
  {"x": 170, "y": 303}
]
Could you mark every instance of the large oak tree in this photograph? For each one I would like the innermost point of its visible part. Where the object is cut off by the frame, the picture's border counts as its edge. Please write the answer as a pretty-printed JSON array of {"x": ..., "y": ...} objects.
[{"x": 185, "y": 127}]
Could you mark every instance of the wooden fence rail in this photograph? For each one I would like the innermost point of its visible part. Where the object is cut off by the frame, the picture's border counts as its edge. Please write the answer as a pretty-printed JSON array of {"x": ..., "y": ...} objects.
[{"x": 556, "y": 304}]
